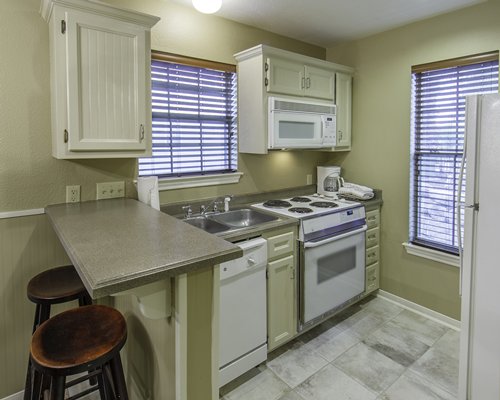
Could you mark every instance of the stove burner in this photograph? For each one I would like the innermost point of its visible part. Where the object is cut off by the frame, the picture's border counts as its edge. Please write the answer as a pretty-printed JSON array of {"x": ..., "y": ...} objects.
[
  {"x": 300, "y": 210},
  {"x": 301, "y": 199},
  {"x": 324, "y": 204},
  {"x": 277, "y": 204}
]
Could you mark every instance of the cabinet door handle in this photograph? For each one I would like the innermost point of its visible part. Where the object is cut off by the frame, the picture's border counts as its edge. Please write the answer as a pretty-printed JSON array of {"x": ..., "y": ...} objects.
[
  {"x": 141, "y": 133},
  {"x": 340, "y": 134},
  {"x": 303, "y": 84},
  {"x": 308, "y": 83}
]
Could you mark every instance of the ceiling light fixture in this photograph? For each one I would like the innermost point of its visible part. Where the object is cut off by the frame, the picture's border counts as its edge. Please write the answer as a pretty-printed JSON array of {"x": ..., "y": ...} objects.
[{"x": 207, "y": 6}]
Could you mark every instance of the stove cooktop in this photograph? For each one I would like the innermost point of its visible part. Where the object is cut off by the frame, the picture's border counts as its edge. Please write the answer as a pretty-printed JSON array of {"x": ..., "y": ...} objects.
[{"x": 306, "y": 206}]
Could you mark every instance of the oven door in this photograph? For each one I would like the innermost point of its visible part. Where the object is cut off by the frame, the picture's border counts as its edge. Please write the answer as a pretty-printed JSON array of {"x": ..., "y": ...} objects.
[{"x": 332, "y": 273}]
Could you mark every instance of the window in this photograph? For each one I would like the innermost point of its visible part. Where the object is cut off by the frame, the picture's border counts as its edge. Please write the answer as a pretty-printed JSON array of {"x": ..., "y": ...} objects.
[
  {"x": 438, "y": 120},
  {"x": 194, "y": 118}
]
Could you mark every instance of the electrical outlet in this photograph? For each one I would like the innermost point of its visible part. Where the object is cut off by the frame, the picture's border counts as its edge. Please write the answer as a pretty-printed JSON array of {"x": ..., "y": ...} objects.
[
  {"x": 110, "y": 190},
  {"x": 309, "y": 179},
  {"x": 73, "y": 194}
]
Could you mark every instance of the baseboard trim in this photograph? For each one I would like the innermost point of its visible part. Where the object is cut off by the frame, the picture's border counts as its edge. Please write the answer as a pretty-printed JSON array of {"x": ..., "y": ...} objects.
[
  {"x": 417, "y": 308},
  {"x": 15, "y": 396}
]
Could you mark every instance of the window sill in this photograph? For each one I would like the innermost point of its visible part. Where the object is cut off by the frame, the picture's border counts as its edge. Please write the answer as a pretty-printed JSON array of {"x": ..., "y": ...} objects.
[
  {"x": 186, "y": 182},
  {"x": 430, "y": 254}
]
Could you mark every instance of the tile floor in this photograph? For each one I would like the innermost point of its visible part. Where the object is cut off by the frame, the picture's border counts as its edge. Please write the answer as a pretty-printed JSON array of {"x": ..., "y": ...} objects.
[{"x": 375, "y": 350}]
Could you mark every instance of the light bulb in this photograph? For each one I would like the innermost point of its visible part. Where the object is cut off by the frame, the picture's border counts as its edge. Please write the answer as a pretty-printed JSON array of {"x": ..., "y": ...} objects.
[{"x": 207, "y": 6}]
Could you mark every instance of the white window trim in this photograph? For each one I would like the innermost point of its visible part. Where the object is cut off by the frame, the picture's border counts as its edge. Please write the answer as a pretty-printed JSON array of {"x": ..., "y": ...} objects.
[
  {"x": 185, "y": 182},
  {"x": 431, "y": 254}
]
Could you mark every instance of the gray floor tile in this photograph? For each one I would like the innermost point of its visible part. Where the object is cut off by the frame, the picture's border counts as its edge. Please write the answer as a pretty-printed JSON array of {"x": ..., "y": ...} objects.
[
  {"x": 412, "y": 387},
  {"x": 292, "y": 395},
  {"x": 400, "y": 345},
  {"x": 372, "y": 369},
  {"x": 331, "y": 383},
  {"x": 449, "y": 343},
  {"x": 383, "y": 308},
  {"x": 366, "y": 325},
  {"x": 333, "y": 345},
  {"x": 439, "y": 368},
  {"x": 297, "y": 364},
  {"x": 263, "y": 386},
  {"x": 422, "y": 328}
]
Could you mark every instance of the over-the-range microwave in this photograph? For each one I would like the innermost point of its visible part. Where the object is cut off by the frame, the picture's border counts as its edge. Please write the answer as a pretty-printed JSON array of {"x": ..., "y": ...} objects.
[{"x": 301, "y": 124}]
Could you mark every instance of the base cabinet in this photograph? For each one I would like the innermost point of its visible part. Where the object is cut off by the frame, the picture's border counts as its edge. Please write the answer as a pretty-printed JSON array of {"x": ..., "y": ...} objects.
[
  {"x": 281, "y": 288},
  {"x": 372, "y": 256}
]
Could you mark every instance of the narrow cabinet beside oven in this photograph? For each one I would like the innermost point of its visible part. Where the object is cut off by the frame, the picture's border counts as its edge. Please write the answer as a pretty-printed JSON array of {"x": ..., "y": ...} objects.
[
  {"x": 281, "y": 287},
  {"x": 372, "y": 250}
]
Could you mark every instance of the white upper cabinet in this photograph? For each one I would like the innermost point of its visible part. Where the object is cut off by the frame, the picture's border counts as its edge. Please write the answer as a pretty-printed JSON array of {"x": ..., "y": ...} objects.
[
  {"x": 265, "y": 71},
  {"x": 298, "y": 79},
  {"x": 343, "y": 90},
  {"x": 100, "y": 80}
]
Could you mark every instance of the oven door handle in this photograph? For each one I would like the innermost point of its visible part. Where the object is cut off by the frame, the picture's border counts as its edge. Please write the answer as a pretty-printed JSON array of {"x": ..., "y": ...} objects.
[{"x": 308, "y": 245}]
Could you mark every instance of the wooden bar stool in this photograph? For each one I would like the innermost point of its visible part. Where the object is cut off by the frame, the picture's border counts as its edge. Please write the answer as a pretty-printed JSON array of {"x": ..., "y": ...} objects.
[
  {"x": 54, "y": 286},
  {"x": 85, "y": 339}
]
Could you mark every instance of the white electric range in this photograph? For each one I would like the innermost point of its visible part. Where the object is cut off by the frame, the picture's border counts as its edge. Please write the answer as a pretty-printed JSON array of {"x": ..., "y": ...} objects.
[{"x": 331, "y": 246}]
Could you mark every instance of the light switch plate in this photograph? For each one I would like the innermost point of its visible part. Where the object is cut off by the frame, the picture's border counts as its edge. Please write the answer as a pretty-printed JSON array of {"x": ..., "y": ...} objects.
[{"x": 110, "y": 190}]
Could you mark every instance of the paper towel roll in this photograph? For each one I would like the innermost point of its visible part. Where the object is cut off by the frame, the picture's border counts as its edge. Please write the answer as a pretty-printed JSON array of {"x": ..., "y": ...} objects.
[{"x": 147, "y": 191}]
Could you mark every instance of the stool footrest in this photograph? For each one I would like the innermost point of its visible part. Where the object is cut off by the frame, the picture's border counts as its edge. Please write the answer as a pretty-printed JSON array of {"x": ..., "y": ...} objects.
[{"x": 83, "y": 378}]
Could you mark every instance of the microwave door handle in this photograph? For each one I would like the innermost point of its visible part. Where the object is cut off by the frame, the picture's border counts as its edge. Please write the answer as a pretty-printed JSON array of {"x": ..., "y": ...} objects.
[{"x": 308, "y": 245}]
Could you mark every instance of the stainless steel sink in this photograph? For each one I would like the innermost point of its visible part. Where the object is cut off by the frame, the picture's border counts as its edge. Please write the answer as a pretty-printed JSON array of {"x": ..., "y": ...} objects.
[
  {"x": 207, "y": 225},
  {"x": 242, "y": 218}
]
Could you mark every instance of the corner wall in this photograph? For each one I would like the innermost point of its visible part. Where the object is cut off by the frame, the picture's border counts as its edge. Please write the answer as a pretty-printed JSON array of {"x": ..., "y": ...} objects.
[{"x": 381, "y": 135}]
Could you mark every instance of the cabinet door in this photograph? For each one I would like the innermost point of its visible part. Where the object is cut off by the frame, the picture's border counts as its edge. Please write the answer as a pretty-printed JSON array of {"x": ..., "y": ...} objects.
[
  {"x": 319, "y": 83},
  {"x": 343, "y": 99},
  {"x": 281, "y": 323},
  {"x": 285, "y": 77},
  {"x": 106, "y": 80}
]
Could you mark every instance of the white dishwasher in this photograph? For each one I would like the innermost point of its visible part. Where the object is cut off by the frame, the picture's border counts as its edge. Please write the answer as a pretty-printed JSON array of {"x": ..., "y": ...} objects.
[{"x": 243, "y": 331}]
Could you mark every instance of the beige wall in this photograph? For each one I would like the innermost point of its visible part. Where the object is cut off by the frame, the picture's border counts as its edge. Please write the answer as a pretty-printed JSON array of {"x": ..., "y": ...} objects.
[
  {"x": 31, "y": 178},
  {"x": 381, "y": 135}
]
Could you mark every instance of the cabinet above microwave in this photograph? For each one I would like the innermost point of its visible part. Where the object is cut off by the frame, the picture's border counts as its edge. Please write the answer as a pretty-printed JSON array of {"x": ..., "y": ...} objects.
[{"x": 265, "y": 72}]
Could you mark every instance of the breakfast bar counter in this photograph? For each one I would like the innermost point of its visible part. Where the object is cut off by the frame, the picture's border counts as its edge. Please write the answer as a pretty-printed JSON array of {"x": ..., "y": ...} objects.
[
  {"x": 119, "y": 244},
  {"x": 163, "y": 275}
]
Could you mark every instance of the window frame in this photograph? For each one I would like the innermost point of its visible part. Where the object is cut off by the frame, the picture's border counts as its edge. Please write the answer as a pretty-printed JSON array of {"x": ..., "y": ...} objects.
[
  {"x": 425, "y": 248},
  {"x": 197, "y": 179}
]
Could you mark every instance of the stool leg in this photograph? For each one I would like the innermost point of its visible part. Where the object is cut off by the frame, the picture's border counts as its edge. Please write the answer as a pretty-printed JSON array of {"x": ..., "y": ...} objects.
[
  {"x": 85, "y": 300},
  {"x": 57, "y": 388},
  {"x": 118, "y": 378},
  {"x": 101, "y": 382},
  {"x": 35, "y": 391},
  {"x": 42, "y": 313}
]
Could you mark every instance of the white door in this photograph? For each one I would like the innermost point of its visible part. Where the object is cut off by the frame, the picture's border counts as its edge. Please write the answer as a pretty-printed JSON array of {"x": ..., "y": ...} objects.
[
  {"x": 333, "y": 272},
  {"x": 285, "y": 77},
  {"x": 320, "y": 83},
  {"x": 106, "y": 72}
]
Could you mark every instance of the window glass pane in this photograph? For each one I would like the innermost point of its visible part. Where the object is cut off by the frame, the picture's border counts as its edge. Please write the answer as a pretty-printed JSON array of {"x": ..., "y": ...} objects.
[
  {"x": 194, "y": 121},
  {"x": 438, "y": 121}
]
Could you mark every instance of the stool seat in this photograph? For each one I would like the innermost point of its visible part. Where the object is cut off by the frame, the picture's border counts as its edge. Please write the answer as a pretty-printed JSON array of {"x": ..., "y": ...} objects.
[
  {"x": 56, "y": 285},
  {"x": 78, "y": 340}
]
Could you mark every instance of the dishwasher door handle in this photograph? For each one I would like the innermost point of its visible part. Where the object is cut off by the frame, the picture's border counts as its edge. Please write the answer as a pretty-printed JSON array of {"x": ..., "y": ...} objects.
[{"x": 308, "y": 245}]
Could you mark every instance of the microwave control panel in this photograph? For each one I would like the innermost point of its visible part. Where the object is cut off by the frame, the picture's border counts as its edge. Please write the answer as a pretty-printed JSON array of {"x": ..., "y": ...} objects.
[{"x": 329, "y": 129}]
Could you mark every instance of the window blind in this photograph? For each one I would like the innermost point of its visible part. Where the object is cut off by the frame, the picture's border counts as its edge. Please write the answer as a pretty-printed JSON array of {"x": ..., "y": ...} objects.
[
  {"x": 438, "y": 121},
  {"x": 194, "y": 121}
]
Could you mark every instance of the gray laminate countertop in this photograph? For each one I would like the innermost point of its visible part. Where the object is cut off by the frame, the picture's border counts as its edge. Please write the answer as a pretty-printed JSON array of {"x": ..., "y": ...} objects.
[{"x": 119, "y": 244}]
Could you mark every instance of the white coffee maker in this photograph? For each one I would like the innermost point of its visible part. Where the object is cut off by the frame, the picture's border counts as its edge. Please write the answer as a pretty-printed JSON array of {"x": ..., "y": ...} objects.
[{"x": 329, "y": 181}]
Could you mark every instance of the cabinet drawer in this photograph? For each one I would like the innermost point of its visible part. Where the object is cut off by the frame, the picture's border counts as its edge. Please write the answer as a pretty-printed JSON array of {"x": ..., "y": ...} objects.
[
  {"x": 372, "y": 255},
  {"x": 373, "y": 218},
  {"x": 372, "y": 278},
  {"x": 372, "y": 237},
  {"x": 280, "y": 245}
]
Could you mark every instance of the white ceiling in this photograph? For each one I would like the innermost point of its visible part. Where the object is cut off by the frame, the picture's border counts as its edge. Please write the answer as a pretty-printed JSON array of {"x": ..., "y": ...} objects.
[{"x": 327, "y": 22}]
